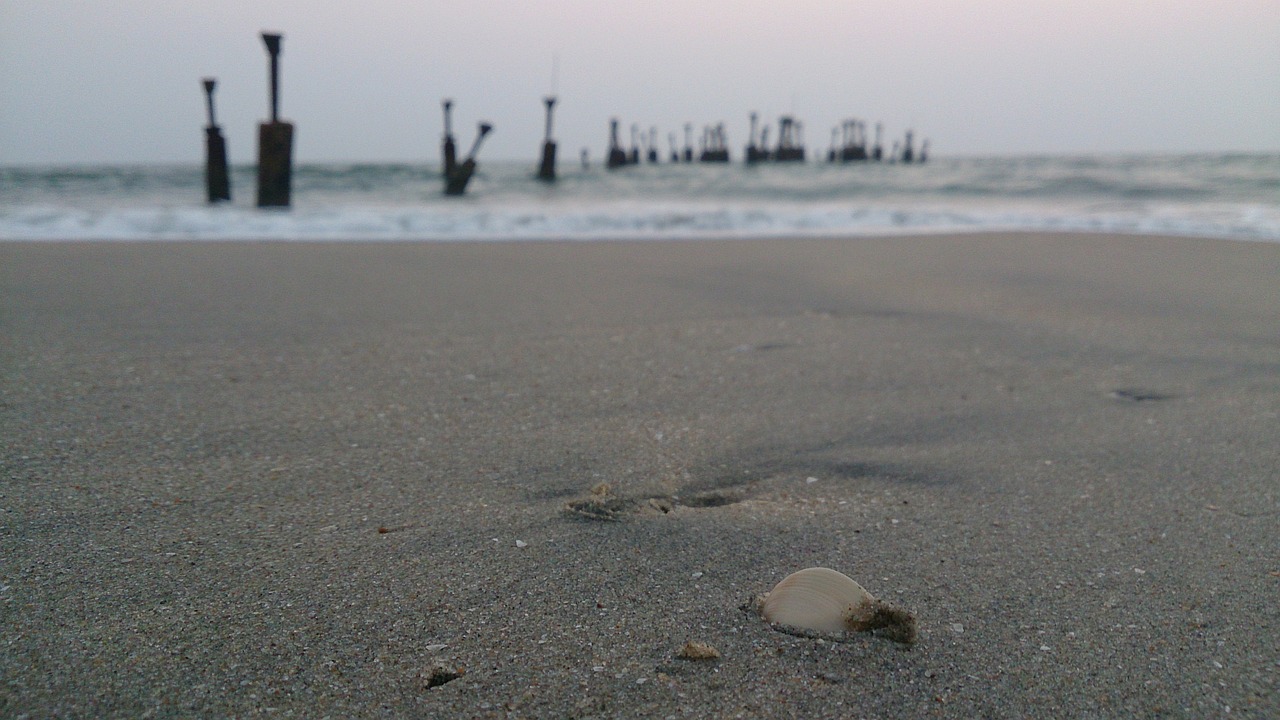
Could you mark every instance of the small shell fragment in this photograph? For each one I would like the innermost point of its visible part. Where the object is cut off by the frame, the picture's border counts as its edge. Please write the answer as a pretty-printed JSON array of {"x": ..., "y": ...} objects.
[
  {"x": 823, "y": 602},
  {"x": 695, "y": 650}
]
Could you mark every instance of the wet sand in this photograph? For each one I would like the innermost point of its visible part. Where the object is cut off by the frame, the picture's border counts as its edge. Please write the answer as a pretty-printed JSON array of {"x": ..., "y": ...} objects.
[{"x": 301, "y": 480}]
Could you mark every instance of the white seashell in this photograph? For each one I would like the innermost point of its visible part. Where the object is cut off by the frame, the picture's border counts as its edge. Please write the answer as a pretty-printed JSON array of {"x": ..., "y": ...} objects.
[
  {"x": 817, "y": 599},
  {"x": 825, "y": 602}
]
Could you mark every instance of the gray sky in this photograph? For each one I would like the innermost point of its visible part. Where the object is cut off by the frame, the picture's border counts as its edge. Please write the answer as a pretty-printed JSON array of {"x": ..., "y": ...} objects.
[{"x": 117, "y": 81}]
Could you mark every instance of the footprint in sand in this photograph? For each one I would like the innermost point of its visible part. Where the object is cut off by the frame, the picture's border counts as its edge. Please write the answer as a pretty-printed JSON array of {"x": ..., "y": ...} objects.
[
  {"x": 1137, "y": 395},
  {"x": 604, "y": 504}
]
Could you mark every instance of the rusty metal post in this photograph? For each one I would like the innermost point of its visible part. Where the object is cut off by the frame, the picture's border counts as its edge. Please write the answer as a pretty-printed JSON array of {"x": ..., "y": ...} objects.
[
  {"x": 617, "y": 156},
  {"x": 217, "y": 180},
  {"x": 456, "y": 182},
  {"x": 275, "y": 141},
  {"x": 448, "y": 150},
  {"x": 547, "y": 168}
]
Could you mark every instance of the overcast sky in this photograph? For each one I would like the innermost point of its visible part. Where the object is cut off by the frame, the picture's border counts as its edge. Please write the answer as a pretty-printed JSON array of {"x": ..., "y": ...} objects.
[{"x": 118, "y": 81}]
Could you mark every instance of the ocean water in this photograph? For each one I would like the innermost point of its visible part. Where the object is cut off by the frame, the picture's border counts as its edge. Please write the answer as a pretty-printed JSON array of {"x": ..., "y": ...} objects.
[{"x": 1232, "y": 196}]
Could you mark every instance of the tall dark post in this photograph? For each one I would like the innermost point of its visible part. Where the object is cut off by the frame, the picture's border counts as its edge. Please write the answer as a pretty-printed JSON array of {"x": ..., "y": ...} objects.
[
  {"x": 547, "y": 169},
  {"x": 688, "y": 142},
  {"x": 275, "y": 141},
  {"x": 216, "y": 178},
  {"x": 755, "y": 153},
  {"x": 617, "y": 156},
  {"x": 448, "y": 149}
]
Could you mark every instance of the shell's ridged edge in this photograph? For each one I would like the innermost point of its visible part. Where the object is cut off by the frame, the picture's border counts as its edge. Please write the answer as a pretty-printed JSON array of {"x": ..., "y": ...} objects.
[{"x": 816, "y": 599}]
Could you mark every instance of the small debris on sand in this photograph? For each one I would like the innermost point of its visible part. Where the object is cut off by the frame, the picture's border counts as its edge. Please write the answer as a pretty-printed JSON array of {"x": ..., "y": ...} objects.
[{"x": 695, "y": 650}]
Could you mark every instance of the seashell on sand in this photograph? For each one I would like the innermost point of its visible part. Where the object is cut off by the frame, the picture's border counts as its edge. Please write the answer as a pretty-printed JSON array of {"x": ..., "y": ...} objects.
[{"x": 825, "y": 603}]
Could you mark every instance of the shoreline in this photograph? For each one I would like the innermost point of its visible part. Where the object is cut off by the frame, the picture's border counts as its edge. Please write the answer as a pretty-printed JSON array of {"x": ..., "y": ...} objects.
[
  {"x": 1202, "y": 196},
  {"x": 321, "y": 476},
  {"x": 838, "y": 235}
]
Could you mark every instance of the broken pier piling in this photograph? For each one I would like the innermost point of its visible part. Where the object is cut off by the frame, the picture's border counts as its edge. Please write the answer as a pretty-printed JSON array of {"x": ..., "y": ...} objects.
[
  {"x": 217, "y": 179},
  {"x": 275, "y": 140}
]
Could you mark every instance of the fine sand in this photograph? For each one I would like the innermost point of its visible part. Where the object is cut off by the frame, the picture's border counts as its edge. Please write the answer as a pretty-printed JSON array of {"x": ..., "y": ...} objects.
[{"x": 299, "y": 480}]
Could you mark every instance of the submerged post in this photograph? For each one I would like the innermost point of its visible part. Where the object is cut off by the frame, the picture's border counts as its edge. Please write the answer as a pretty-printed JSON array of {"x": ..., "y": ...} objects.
[
  {"x": 455, "y": 183},
  {"x": 217, "y": 180},
  {"x": 448, "y": 150},
  {"x": 275, "y": 141},
  {"x": 617, "y": 156},
  {"x": 753, "y": 153},
  {"x": 547, "y": 168}
]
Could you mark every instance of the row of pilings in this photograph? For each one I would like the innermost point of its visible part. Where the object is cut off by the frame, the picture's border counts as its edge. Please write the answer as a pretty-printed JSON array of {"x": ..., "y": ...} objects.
[
  {"x": 848, "y": 144},
  {"x": 275, "y": 145},
  {"x": 712, "y": 146}
]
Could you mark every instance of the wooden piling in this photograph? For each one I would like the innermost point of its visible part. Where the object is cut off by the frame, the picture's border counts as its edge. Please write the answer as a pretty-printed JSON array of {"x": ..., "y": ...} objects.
[
  {"x": 275, "y": 164},
  {"x": 755, "y": 153},
  {"x": 448, "y": 150},
  {"x": 547, "y": 168},
  {"x": 455, "y": 183},
  {"x": 275, "y": 141},
  {"x": 217, "y": 179},
  {"x": 617, "y": 156}
]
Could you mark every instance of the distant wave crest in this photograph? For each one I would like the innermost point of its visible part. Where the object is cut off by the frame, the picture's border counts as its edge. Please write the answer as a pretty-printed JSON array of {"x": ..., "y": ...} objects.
[
  {"x": 1228, "y": 196},
  {"x": 610, "y": 222}
]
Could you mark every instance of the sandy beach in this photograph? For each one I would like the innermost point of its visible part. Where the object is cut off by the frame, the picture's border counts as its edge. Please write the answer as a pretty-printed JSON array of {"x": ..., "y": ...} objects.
[{"x": 335, "y": 479}]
